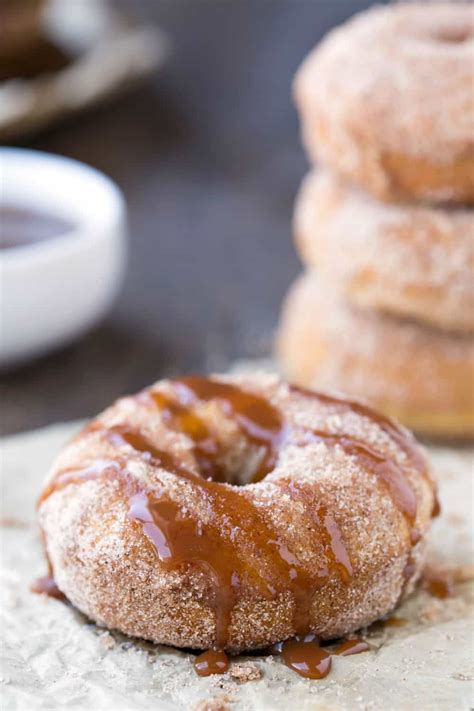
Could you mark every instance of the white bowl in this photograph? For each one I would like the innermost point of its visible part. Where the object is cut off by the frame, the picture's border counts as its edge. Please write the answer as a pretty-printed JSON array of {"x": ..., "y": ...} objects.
[{"x": 54, "y": 290}]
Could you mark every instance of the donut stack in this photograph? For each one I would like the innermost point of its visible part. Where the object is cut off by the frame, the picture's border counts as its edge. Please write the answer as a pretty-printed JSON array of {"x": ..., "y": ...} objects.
[{"x": 387, "y": 109}]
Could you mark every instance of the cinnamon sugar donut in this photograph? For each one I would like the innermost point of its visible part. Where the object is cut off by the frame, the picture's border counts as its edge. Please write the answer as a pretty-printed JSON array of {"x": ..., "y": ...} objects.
[
  {"x": 148, "y": 531},
  {"x": 409, "y": 260},
  {"x": 423, "y": 377},
  {"x": 386, "y": 101}
]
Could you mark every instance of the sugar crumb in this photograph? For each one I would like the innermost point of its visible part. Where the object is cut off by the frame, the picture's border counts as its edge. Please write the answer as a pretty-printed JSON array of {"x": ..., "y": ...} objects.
[{"x": 245, "y": 671}]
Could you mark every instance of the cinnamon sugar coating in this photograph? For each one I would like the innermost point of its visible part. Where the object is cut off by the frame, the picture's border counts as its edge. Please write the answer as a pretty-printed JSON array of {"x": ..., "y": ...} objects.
[
  {"x": 422, "y": 376},
  {"x": 339, "y": 525},
  {"x": 411, "y": 260},
  {"x": 386, "y": 101}
]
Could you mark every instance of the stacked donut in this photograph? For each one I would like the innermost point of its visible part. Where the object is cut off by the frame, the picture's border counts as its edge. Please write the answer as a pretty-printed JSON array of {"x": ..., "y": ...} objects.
[{"x": 387, "y": 109}]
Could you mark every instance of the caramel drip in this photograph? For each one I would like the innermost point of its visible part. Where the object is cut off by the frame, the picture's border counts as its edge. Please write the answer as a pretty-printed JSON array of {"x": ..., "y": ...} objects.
[
  {"x": 66, "y": 477},
  {"x": 384, "y": 469},
  {"x": 439, "y": 584},
  {"x": 257, "y": 419},
  {"x": 234, "y": 544},
  {"x": 394, "y": 622},
  {"x": 180, "y": 418},
  {"x": 216, "y": 546},
  {"x": 263, "y": 426},
  {"x": 440, "y": 588},
  {"x": 403, "y": 438},
  {"x": 306, "y": 658},
  {"x": 122, "y": 434},
  {"x": 329, "y": 534},
  {"x": 436, "y": 508},
  {"x": 388, "y": 621},
  {"x": 46, "y": 585},
  {"x": 211, "y": 662},
  {"x": 352, "y": 646}
]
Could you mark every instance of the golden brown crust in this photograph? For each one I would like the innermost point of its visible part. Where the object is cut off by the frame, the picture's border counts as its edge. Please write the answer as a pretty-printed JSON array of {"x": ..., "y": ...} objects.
[
  {"x": 107, "y": 567},
  {"x": 398, "y": 120},
  {"x": 414, "y": 261},
  {"x": 419, "y": 375}
]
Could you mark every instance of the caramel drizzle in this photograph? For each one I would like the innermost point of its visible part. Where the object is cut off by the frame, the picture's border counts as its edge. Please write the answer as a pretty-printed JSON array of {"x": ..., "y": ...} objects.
[
  {"x": 329, "y": 533},
  {"x": 96, "y": 470},
  {"x": 181, "y": 419},
  {"x": 385, "y": 470},
  {"x": 439, "y": 584},
  {"x": 46, "y": 585},
  {"x": 259, "y": 422},
  {"x": 352, "y": 646},
  {"x": 217, "y": 546},
  {"x": 403, "y": 438},
  {"x": 263, "y": 427}
]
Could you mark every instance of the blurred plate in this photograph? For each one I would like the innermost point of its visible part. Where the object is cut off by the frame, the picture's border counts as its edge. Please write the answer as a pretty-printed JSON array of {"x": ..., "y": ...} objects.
[{"x": 105, "y": 53}]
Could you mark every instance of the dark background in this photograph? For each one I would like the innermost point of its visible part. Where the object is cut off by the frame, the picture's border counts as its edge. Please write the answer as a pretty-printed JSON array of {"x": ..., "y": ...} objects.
[{"x": 208, "y": 155}]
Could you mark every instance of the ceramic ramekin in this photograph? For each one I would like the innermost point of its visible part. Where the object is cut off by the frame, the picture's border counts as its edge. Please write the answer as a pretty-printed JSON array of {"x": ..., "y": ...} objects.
[{"x": 54, "y": 290}]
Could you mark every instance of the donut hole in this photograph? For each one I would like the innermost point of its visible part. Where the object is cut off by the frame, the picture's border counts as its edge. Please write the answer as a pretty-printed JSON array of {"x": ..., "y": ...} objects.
[{"x": 233, "y": 458}]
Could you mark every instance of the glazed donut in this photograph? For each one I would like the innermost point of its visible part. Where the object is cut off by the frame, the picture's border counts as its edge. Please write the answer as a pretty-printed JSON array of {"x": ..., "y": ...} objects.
[
  {"x": 423, "y": 377},
  {"x": 386, "y": 101},
  {"x": 148, "y": 531},
  {"x": 408, "y": 260}
]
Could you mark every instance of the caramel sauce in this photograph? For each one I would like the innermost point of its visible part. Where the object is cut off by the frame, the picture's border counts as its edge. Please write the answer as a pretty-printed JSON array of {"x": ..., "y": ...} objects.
[
  {"x": 257, "y": 419},
  {"x": 233, "y": 542},
  {"x": 439, "y": 585},
  {"x": 328, "y": 532},
  {"x": 47, "y": 586},
  {"x": 352, "y": 646},
  {"x": 402, "y": 437},
  {"x": 436, "y": 508},
  {"x": 211, "y": 662},
  {"x": 306, "y": 658},
  {"x": 395, "y": 622},
  {"x": 182, "y": 419},
  {"x": 385, "y": 470},
  {"x": 97, "y": 469},
  {"x": 122, "y": 434}
]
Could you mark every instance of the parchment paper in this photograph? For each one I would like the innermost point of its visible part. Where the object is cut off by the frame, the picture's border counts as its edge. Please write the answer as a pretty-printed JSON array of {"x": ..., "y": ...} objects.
[{"x": 53, "y": 658}]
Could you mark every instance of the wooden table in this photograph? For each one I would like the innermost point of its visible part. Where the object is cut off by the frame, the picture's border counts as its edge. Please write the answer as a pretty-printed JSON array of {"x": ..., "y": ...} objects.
[{"x": 208, "y": 155}]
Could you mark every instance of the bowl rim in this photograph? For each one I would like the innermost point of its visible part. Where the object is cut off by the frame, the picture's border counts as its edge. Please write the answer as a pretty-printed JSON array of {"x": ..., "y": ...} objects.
[{"x": 84, "y": 233}]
